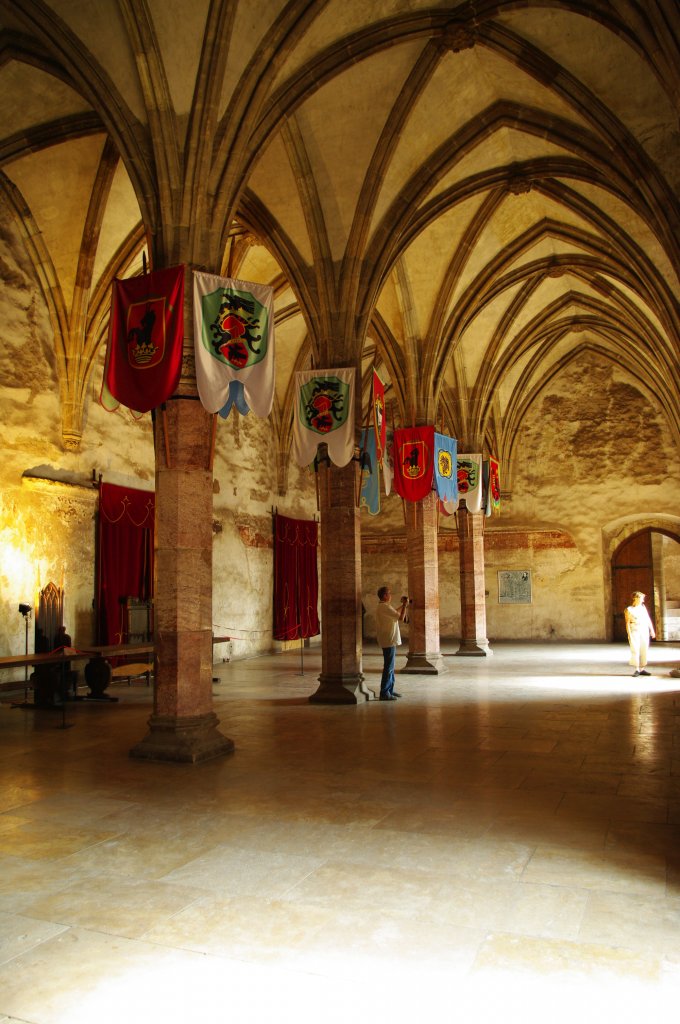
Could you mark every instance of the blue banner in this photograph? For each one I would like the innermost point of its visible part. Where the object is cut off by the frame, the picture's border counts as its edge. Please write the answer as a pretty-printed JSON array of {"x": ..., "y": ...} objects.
[
  {"x": 370, "y": 473},
  {"x": 445, "y": 475}
]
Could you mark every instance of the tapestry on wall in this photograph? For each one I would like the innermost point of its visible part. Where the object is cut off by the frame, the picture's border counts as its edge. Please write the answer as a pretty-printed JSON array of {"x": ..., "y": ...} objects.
[
  {"x": 324, "y": 412},
  {"x": 296, "y": 580},
  {"x": 125, "y": 555},
  {"x": 413, "y": 451},
  {"x": 146, "y": 335},
  {"x": 234, "y": 344}
]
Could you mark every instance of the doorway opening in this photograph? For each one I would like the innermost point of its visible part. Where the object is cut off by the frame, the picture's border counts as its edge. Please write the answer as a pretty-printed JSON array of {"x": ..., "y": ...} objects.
[{"x": 648, "y": 561}]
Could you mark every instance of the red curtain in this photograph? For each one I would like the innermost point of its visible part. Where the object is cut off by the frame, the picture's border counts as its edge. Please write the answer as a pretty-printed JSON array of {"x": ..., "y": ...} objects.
[
  {"x": 296, "y": 579},
  {"x": 126, "y": 529}
]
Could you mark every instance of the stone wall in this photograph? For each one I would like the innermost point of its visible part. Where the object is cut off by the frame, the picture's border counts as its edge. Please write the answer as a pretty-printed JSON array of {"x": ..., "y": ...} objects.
[
  {"x": 593, "y": 462},
  {"x": 48, "y": 502}
]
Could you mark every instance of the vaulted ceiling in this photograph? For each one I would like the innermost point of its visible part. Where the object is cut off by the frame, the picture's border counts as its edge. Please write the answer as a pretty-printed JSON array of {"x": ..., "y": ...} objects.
[{"x": 470, "y": 196}]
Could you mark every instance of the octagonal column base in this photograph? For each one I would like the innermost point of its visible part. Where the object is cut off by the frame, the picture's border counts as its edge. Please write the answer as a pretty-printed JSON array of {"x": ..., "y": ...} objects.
[
  {"x": 475, "y": 648},
  {"x": 340, "y": 689},
  {"x": 191, "y": 739},
  {"x": 423, "y": 664}
]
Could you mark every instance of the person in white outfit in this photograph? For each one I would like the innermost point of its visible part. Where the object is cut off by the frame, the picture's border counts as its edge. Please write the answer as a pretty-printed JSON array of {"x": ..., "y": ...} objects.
[{"x": 640, "y": 630}]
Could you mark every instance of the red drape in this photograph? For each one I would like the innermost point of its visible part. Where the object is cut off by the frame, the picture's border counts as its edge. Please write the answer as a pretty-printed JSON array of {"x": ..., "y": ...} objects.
[
  {"x": 126, "y": 528},
  {"x": 296, "y": 580}
]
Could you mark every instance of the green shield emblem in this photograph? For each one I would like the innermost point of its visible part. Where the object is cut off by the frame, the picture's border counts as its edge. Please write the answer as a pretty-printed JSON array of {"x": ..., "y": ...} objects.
[
  {"x": 235, "y": 327},
  {"x": 324, "y": 403}
]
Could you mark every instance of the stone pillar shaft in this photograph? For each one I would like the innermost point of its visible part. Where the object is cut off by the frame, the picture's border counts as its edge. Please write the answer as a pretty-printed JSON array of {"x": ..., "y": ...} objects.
[
  {"x": 472, "y": 583},
  {"x": 183, "y": 726},
  {"x": 424, "y": 653},
  {"x": 340, "y": 546}
]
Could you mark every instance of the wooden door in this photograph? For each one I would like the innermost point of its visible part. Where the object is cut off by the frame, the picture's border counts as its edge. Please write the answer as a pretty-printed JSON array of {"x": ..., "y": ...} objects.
[{"x": 632, "y": 569}]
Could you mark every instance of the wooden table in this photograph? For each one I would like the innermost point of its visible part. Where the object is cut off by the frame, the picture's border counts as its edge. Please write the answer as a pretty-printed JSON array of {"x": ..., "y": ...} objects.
[
  {"x": 117, "y": 650},
  {"x": 63, "y": 657},
  {"x": 97, "y": 671},
  {"x": 52, "y": 658}
]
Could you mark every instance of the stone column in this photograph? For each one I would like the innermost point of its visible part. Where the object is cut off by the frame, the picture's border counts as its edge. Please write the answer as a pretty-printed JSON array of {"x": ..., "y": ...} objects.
[
  {"x": 183, "y": 726},
  {"x": 472, "y": 583},
  {"x": 341, "y": 676},
  {"x": 424, "y": 655}
]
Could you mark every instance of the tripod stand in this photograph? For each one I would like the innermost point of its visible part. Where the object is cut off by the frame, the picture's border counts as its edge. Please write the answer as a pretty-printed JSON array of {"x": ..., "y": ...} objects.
[{"x": 25, "y": 610}]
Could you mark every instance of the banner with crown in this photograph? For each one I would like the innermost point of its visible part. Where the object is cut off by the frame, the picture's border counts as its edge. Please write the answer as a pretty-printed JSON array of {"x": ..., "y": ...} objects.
[
  {"x": 146, "y": 335},
  {"x": 413, "y": 462}
]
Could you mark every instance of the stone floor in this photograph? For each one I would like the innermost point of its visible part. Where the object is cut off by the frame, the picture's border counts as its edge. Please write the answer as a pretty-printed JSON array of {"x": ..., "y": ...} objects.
[{"x": 502, "y": 844}]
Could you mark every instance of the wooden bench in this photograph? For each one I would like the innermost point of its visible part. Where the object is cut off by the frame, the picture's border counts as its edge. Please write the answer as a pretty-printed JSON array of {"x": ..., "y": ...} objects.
[{"x": 131, "y": 671}]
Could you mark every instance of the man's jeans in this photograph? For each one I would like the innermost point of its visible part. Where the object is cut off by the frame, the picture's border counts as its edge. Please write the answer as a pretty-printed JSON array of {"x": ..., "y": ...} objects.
[{"x": 387, "y": 679}]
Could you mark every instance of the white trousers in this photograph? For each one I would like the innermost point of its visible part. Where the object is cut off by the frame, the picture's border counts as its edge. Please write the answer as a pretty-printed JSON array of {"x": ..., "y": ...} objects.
[{"x": 639, "y": 645}]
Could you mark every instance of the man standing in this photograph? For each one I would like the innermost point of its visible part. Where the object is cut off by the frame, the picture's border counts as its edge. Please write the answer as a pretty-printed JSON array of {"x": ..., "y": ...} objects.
[{"x": 387, "y": 621}]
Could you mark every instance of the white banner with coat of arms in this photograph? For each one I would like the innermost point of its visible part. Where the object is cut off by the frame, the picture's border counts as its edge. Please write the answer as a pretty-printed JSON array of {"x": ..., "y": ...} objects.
[
  {"x": 470, "y": 481},
  {"x": 234, "y": 343},
  {"x": 324, "y": 412}
]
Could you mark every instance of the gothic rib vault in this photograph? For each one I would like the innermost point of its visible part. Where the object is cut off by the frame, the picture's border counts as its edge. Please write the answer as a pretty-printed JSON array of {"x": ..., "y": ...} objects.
[
  {"x": 478, "y": 198},
  {"x": 469, "y": 195}
]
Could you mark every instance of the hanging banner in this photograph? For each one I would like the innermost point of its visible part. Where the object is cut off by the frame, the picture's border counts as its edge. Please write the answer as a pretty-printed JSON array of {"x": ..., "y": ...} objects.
[
  {"x": 495, "y": 484},
  {"x": 445, "y": 467},
  {"x": 146, "y": 334},
  {"x": 324, "y": 411},
  {"x": 370, "y": 474},
  {"x": 234, "y": 341},
  {"x": 486, "y": 494},
  {"x": 378, "y": 413},
  {"x": 470, "y": 481},
  {"x": 413, "y": 462},
  {"x": 387, "y": 464},
  {"x": 491, "y": 487}
]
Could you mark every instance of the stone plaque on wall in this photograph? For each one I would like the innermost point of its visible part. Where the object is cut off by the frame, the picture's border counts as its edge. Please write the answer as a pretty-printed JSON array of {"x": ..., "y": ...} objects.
[{"x": 514, "y": 586}]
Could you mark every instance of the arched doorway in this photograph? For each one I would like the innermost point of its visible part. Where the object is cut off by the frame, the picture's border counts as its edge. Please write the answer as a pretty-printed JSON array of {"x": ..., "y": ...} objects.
[{"x": 648, "y": 561}]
